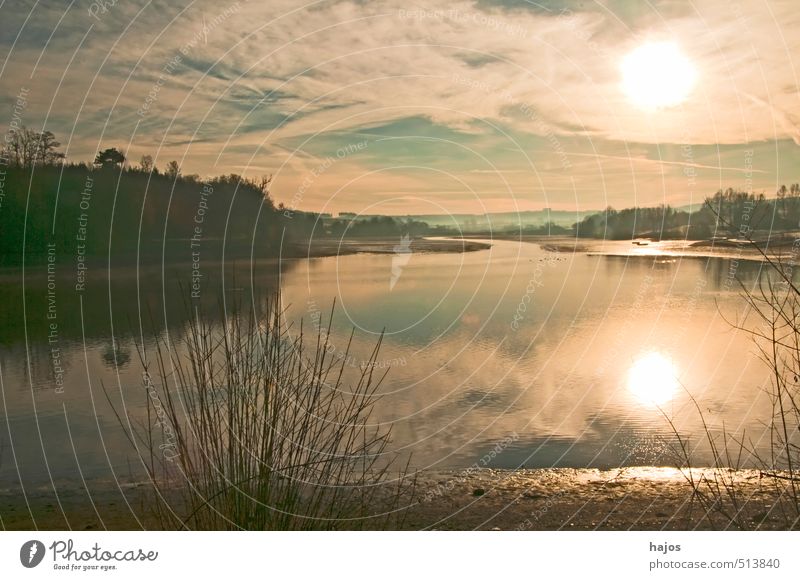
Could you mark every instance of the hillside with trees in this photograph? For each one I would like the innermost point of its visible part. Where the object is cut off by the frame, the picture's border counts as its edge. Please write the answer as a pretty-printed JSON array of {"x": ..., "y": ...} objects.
[
  {"x": 109, "y": 208},
  {"x": 729, "y": 214}
]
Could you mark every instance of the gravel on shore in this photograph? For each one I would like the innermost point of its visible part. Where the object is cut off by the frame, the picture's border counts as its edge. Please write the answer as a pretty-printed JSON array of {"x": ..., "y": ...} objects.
[{"x": 638, "y": 498}]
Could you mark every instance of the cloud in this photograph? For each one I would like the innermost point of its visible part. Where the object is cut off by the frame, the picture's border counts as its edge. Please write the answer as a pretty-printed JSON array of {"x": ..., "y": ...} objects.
[{"x": 286, "y": 82}]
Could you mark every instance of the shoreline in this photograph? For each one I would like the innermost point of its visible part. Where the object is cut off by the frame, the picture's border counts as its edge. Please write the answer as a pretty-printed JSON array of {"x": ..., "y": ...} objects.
[
  {"x": 643, "y": 248},
  {"x": 332, "y": 247},
  {"x": 319, "y": 248},
  {"x": 634, "y": 498}
]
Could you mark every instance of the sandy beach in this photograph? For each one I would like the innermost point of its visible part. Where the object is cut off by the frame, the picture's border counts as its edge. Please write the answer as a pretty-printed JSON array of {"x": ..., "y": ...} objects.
[
  {"x": 780, "y": 246},
  {"x": 638, "y": 498},
  {"x": 324, "y": 247}
]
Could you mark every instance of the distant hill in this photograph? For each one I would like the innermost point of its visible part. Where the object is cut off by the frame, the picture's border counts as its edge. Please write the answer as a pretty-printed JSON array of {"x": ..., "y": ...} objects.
[{"x": 495, "y": 220}]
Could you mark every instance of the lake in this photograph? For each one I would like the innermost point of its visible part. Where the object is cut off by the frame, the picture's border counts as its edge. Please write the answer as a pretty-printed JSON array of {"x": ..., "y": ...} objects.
[{"x": 509, "y": 357}]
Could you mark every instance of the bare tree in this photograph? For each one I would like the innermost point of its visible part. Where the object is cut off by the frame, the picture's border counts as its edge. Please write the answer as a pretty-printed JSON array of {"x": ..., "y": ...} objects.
[
  {"x": 46, "y": 153},
  {"x": 264, "y": 185},
  {"x": 22, "y": 147},
  {"x": 26, "y": 147},
  {"x": 173, "y": 170},
  {"x": 146, "y": 163}
]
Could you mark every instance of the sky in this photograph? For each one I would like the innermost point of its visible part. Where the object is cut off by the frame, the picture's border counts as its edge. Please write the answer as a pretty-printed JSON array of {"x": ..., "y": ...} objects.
[{"x": 404, "y": 107}]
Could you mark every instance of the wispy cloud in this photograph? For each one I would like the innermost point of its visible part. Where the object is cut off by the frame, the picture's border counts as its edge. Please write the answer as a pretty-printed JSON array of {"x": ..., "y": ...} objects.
[
  {"x": 646, "y": 160},
  {"x": 530, "y": 88}
]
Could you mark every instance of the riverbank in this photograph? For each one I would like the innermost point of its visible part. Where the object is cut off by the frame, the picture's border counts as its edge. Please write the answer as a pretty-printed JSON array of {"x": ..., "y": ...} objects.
[
  {"x": 213, "y": 252},
  {"x": 637, "y": 498},
  {"x": 325, "y": 247},
  {"x": 781, "y": 246}
]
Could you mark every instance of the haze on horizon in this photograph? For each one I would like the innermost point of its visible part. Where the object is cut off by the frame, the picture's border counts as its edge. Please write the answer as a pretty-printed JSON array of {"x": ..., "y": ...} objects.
[{"x": 408, "y": 108}]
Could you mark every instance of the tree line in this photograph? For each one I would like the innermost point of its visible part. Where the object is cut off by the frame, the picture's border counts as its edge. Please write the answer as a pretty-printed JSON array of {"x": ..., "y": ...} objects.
[
  {"x": 109, "y": 208},
  {"x": 728, "y": 213},
  {"x": 146, "y": 213},
  {"x": 26, "y": 148}
]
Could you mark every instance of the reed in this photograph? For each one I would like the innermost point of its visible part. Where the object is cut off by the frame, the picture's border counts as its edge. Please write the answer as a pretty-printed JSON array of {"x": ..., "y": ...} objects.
[
  {"x": 249, "y": 427},
  {"x": 773, "y": 322}
]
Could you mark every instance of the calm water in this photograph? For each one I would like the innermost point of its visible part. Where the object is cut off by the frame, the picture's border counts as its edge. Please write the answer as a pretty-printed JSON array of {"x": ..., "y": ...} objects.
[{"x": 513, "y": 356}]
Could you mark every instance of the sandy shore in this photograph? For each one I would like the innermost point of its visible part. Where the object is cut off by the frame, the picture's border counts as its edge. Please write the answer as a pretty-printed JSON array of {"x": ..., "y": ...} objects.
[
  {"x": 640, "y": 498},
  {"x": 541, "y": 499},
  {"x": 324, "y": 247},
  {"x": 317, "y": 248},
  {"x": 644, "y": 248}
]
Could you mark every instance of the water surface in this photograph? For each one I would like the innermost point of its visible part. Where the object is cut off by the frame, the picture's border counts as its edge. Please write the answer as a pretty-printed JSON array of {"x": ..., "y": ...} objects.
[{"x": 509, "y": 357}]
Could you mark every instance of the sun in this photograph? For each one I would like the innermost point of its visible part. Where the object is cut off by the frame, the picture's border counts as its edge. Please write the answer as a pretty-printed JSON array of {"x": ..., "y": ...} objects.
[
  {"x": 653, "y": 380},
  {"x": 657, "y": 75}
]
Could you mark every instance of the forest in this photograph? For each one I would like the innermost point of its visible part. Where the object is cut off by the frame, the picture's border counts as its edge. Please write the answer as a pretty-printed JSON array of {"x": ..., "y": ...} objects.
[
  {"x": 728, "y": 213},
  {"x": 111, "y": 207}
]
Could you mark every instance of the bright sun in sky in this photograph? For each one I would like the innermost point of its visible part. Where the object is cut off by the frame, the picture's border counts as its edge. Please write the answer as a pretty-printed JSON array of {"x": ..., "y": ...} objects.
[
  {"x": 657, "y": 75},
  {"x": 652, "y": 379}
]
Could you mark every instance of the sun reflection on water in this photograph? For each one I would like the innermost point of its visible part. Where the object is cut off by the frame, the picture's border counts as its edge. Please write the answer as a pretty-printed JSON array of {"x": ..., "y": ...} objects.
[{"x": 653, "y": 380}]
